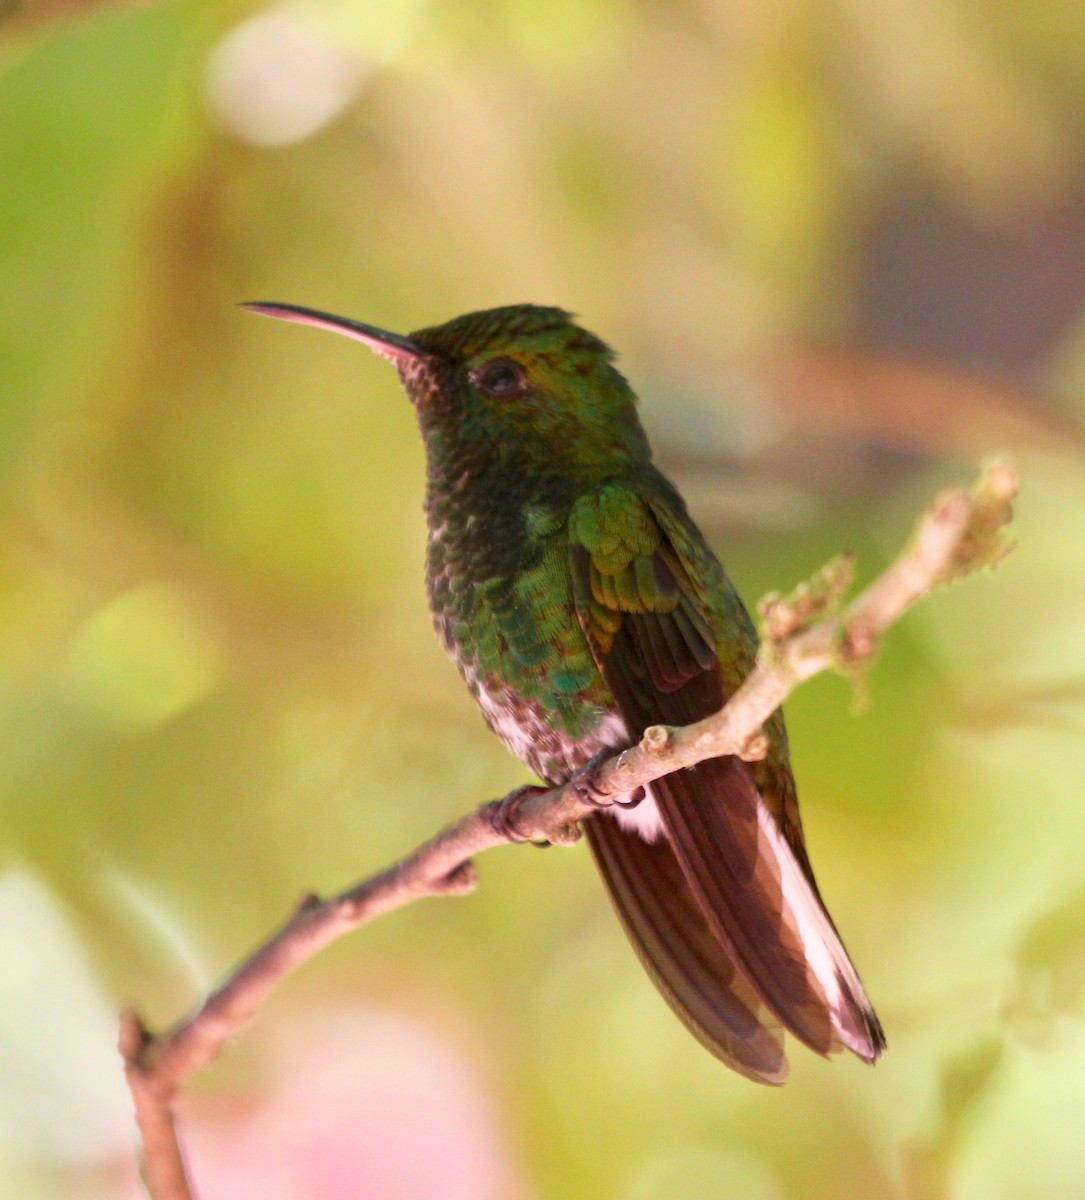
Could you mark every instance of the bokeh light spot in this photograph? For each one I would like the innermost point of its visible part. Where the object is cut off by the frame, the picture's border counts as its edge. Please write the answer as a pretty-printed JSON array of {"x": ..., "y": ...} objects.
[
  {"x": 143, "y": 658},
  {"x": 278, "y": 78}
]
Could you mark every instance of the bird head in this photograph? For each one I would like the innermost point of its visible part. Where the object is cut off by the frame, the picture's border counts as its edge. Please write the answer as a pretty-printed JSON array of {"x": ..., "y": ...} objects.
[{"x": 523, "y": 382}]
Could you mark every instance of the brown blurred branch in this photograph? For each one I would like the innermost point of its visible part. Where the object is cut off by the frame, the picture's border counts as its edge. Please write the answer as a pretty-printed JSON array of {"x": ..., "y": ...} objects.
[{"x": 961, "y": 531}]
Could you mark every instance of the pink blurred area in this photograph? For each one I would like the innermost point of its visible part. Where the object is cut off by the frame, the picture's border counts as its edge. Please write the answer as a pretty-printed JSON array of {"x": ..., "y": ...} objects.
[{"x": 356, "y": 1103}]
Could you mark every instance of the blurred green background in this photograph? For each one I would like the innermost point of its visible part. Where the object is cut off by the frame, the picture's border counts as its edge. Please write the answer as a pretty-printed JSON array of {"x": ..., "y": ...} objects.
[{"x": 841, "y": 246}]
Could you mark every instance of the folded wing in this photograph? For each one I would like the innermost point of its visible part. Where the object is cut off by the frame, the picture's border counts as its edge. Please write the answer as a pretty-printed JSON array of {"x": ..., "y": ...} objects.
[{"x": 729, "y": 896}]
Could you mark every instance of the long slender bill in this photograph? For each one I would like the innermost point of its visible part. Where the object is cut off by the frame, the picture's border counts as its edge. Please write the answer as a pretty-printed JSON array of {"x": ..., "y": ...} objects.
[{"x": 392, "y": 346}]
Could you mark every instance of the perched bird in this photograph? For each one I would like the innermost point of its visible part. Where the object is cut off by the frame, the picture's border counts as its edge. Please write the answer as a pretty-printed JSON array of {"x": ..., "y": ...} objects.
[{"x": 581, "y": 604}]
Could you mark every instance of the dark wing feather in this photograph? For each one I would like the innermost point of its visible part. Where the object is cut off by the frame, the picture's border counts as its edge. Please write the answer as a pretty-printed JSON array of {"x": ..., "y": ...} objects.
[
  {"x": 744, "y": 867},
  {"x": 683, "y": 956}
]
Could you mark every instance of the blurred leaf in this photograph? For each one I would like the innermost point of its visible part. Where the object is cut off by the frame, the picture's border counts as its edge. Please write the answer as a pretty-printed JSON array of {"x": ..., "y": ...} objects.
[
  {"x": 75, "y": 153},
  {"x": 966, "y": 1080},
  {"x": 1050, "y": 985}
]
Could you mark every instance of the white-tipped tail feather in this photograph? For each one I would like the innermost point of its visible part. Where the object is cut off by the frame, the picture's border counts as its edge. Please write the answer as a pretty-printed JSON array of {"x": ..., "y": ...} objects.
[{"x": 825, "y": 954}]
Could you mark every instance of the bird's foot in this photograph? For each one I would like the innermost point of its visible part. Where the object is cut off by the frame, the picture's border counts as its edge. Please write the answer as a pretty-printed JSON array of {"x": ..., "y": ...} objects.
[
  {"x": 503, "y": 814},
  {"x": 583, "y": 783},
  {"x": 632, "y": 800}
]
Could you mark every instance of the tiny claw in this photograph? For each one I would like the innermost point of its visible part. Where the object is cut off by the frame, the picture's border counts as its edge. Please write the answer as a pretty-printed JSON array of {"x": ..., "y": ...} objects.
[
  {"x": 503, "y": 814},
  {"x": 632, "y": 800},
  {"x": 583, "y": 782}
]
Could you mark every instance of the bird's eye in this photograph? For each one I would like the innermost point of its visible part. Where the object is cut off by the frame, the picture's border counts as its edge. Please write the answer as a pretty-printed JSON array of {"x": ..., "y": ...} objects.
[{"x": 501, "y": 377}]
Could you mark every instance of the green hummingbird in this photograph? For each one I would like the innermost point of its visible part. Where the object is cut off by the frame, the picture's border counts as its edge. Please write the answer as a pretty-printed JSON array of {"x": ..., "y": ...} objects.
[{"x": 581, "y": 604}]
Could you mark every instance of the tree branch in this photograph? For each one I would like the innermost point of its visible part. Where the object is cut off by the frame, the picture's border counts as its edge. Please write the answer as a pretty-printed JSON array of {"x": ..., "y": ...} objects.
[{"x": 802, "y": 635}]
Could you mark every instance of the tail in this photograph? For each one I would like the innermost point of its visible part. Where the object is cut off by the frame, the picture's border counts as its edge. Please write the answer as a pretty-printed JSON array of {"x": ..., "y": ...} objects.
[
  {"x": 763, "y": 908},
  {"x": 684, "y": 958}
]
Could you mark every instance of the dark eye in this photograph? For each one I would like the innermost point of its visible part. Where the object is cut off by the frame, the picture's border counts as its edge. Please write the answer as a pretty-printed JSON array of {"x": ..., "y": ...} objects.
[{"x": 501, "y": 377}]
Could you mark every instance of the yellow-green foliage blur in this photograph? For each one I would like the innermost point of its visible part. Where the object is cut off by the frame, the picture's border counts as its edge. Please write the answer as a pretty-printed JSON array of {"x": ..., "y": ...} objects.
[{"x": 841, "y": 247}]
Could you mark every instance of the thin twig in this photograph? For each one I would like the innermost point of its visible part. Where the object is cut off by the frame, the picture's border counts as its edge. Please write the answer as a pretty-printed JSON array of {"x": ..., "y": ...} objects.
[{"x": 961, "y": 531}]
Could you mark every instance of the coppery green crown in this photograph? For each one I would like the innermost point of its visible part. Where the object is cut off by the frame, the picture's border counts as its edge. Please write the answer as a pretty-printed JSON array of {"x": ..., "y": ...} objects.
[
  {"x": 529, "y": 327},
  {"x": 563, "y": 410}
]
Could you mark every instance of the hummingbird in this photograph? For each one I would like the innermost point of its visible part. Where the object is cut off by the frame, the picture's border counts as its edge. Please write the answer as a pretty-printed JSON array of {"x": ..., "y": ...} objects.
[{"x": 581, "y": 604}]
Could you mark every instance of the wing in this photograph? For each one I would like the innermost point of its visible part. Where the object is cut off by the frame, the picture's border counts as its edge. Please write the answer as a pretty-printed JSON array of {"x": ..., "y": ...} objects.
[{"x": 648, "y": 593}]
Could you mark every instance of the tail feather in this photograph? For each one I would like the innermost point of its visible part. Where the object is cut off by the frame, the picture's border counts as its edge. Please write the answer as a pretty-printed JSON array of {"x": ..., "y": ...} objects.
[
  {"x": 685, "y": 959},
  {"x": 763, "y": 908}
]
